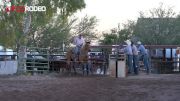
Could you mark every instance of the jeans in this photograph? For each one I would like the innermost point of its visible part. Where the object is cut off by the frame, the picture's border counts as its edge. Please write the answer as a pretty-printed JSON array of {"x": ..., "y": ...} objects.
[
  {"x": 135, "y": 64},
  {"x": 87, "y": 67},
  {"x": 130, "y": 63},
  {"x": 146, "y": 62},
  {"x": 77, "y": 50}
]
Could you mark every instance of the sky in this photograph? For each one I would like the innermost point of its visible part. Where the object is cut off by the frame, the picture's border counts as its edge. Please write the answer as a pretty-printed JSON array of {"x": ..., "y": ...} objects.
[{"x": 110, "y": 13}]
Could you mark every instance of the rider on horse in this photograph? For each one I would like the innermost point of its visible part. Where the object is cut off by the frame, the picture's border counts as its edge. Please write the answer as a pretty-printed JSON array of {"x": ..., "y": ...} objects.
[{"x": 78, "y": 41}]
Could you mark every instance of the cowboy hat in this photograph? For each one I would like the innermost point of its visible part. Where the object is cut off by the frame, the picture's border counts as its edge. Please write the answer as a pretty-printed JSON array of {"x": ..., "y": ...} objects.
[
  {"x": 128, "y": 42},
  {"x": 139, "y": 42},
  {"x": 87, "y": 41}
]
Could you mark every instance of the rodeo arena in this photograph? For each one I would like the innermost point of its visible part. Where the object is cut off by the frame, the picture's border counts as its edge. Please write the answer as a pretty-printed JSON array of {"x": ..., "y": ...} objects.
[{"x": 98, "y": 73}]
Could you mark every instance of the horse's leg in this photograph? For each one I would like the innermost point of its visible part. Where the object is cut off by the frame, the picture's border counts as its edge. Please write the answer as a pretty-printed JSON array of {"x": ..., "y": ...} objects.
[
  {"x": 101, "y": 66},
  {"x": 89, "y": 64},
  {"x": 68, "y": 67},
  {"x": 83, "y": 67},
  {"x": 87, "y": 68},
  {"x": 93, "y": 68},
  {"x": 74, "y": 68},
  {"x": 104, "y": 68}
]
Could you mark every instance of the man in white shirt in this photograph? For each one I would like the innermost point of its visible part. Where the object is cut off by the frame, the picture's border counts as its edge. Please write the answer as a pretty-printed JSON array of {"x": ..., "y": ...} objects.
[
  {"x": 129, "y": 54},
  {"x": 78, "y": 41},
  {"x": 135, "y": 57}
]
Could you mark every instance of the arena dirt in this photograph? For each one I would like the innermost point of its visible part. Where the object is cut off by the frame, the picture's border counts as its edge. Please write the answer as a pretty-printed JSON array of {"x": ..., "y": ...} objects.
[{"x": 153, "y": 87}]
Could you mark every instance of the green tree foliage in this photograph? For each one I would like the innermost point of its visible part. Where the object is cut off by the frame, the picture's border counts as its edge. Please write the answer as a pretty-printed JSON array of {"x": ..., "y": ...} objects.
[
  {"x": 156, "y": 30},
  {"x": 176, "y": 30},
  {"x": 127, "y": 31},
  {"x": 160, "y": 27},
  {"x": 124, "y": 34},
  {"x": 118, "y": 36},
  {"x": 53, "y": 35},
  {"x": 110, "y": 38},
  {"x": 86, "y": 27},
  {"x": 13, "y": 24}
]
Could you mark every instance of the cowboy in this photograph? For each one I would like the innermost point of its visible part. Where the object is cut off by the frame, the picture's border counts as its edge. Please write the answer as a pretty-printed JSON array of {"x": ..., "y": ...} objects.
[
  {"x": 78, "y": 41},
  {"x": 143, "y": 55},
  {"x": 135, "y": 57},
  {"x": 129, "y": 54}
]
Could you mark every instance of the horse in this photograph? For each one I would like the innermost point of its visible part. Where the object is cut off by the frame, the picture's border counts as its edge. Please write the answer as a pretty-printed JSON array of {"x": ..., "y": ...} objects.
[
  {"x": 81, "y": 59},
  {"x": 70, "y": 58},
  {"x": 84, "y": 58}
]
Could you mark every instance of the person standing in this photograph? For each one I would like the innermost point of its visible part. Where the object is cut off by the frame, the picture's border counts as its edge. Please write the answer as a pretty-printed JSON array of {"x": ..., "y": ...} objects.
[
  {"x": 129, "y": 55},
  {"x": 144, "y": 56},
  {"x": 135, "y": 58}
]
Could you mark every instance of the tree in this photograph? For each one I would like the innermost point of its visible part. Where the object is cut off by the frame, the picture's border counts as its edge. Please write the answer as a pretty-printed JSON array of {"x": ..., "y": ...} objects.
[
  {"x": 176, "y": 31},
  {"x": 55, "y": 34},
  {"x": 12, "y": 24},
  {"x": 127, "y": 32},
  {"x": 86, "y": 27},
  {"x": 57, "y": 30},
  {"x": 155, "y": 28},
  {"x": 110, "y": 38},
  {"x": 117, "y": 35}
]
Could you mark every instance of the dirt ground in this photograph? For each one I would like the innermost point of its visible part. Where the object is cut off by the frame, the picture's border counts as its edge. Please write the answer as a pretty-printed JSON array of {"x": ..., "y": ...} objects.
[{"x": 153, "y": 87}]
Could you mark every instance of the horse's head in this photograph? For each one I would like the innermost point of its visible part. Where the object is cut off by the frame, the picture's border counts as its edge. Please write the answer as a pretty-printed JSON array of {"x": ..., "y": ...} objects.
[
  {"x": 87, "y": 46},
  {"x": 84, "y": 52},
  {"x": 70, "y": 53}
]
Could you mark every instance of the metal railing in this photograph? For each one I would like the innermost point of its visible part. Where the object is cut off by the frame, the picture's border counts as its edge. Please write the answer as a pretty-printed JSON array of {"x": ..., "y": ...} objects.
[{"x": 36, "y": 64}]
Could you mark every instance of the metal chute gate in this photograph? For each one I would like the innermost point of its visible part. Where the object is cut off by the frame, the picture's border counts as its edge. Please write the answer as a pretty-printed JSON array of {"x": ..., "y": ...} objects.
[{"x": 33, "y": 60}]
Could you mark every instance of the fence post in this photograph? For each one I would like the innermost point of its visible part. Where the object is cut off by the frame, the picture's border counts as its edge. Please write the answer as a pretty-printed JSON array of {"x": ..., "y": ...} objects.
[{"x": 22, "y": 55}]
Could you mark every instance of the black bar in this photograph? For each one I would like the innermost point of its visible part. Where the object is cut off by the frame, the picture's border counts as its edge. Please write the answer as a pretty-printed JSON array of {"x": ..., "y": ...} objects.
[{"x": 116, "y": 68}]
